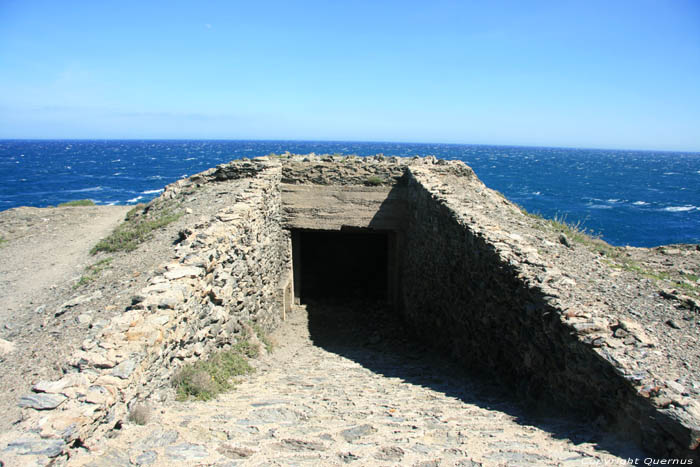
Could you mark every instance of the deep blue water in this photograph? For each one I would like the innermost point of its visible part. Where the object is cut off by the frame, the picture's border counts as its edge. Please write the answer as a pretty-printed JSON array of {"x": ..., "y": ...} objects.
[{"x": 639, "y": 198}]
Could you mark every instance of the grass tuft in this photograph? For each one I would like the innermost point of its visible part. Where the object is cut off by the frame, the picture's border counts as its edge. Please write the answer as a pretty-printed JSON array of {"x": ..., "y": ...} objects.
[
  {"x": 136, "y": 228},
  {"x": 93, "y": 271},
  {"x": 205, "y": 379},
  {"x": 263, "y": 337},
  {"x": 3, "y": 240},
  {"x": 613, "y": 256},
  {"x": 77, "y": 202}
]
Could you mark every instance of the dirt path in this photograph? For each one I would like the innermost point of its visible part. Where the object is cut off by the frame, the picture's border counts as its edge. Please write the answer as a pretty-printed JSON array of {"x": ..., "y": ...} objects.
[
  {"x": 45, "y": 248},
  {"x": 43, "y": 254},
  {"x": 334, "y": 393}
]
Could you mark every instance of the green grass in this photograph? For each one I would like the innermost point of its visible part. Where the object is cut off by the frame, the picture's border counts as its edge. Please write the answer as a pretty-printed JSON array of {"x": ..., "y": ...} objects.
[
  {"x": 136, "y": 229},
  {"x": 206, "y": 379},
  {"x": 694, "y": 287},
  {"x": 374, "y": 181},
  {"x": 244, "y": 347},
  {"x": 2, "y": 241},
  {"x": 77, "y": 202},
  {"x": 93, "y": 271}
]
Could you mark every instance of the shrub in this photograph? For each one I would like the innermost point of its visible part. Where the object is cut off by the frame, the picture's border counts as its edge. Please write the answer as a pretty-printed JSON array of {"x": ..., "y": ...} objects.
[
  {"x": 374, "y": 181},
  {"x": 139, "y": 414},
  {"x": 77, "y": 202},
  {"x": 205, "y": 379},
  {"x": 247, "y": 348}
]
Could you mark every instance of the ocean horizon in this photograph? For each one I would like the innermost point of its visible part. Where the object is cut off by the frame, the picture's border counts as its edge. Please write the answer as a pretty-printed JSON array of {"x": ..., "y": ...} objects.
[{"x": 628, "y": 197}]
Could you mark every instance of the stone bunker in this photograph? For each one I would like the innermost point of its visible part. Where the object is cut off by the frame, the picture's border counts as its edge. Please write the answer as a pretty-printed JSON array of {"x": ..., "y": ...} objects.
[
  {"x": 466, "y": 270},
  {"x": 345, "y": 238}
]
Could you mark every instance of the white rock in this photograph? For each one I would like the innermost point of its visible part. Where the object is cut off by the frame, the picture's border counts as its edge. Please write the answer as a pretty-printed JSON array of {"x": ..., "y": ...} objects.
[
  {"x": 636, "y": 330},
  {"x": 6, "y": 347},
  {"x": 83, "y": 318},
  {"x": 675, "y": 386},
  {"x": 183, "y": 271},
  {"x": 68, "y": 381}
]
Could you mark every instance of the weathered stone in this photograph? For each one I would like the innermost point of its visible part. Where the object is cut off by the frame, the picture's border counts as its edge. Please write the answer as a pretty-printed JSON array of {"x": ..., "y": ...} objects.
[
  {"x": 355, "y": 433},
  {"x": 144, "y": 458},
  {"x": 564, "y": 240},
  {"x": 179, "y": 272},
  {"x": 274, "y": 415},
  {"x": 638, "y": 332},
  {"x": 37, "y": 446},
  {"x": 83, "y": 319},
  {"x": 124, "y": 369},
  {"x": 299, "y": 445},
  {"x": 42, "y": 401},
  {"x": 186, "y": 452},
  {"x": 64, "y": 424},
  {"x": 113, "y": 458},
  {"x": 157, "y": 438},
  {"x": 393, "y": 453},
  {"x": 518, "y": 458},
  {"x": 590, "y": 326},
  {"x": 348, "y": 457},
  {"x": 101, "y": 395},
  {"x": 110, "y": 380},
  {"x": 233, "y": 452},
  {"x": 675, "y": 386},
  {"x": 79, "y": 300},
  {"x": 94, "y": 359},
  {"x": 68, "y": 381}
]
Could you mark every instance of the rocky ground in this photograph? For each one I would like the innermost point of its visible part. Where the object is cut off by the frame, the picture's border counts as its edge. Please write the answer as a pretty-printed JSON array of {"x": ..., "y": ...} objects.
[
  {"x": 324, "y": 396},
  {"x": 658, "y": 288},
  {"x": 345, "y": 386},
  {"x": 46, "y": 311}
]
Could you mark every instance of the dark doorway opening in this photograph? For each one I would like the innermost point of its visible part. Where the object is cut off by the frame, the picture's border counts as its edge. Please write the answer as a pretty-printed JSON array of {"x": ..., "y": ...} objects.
[{"x": 341, "y": 265}]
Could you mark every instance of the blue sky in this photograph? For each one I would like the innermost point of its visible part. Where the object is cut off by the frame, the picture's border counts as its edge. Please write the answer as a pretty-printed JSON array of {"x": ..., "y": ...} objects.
[{"x": 610, "y": 74}]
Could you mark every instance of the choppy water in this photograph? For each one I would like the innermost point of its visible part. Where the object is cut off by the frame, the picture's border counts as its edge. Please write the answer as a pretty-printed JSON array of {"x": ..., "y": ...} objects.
[{"x": 639, "y": 198}]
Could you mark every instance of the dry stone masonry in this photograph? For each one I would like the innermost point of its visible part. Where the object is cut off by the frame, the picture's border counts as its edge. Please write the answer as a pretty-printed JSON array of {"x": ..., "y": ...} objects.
[{"x": 465, "y": 269}]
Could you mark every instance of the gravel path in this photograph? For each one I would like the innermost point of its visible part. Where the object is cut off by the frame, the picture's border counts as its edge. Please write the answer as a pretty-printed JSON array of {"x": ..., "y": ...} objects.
[{"x": 334, "y": 393}]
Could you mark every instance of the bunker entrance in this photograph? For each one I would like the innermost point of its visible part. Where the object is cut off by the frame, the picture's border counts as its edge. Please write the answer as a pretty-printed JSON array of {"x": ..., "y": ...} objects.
[{"x": 332, "y": 265}]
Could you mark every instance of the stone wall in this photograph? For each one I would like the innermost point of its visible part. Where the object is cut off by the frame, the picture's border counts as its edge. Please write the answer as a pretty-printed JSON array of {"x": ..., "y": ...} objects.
[
  {"x": 479, "y": 290},
  {"x": 229, "y": 270}
]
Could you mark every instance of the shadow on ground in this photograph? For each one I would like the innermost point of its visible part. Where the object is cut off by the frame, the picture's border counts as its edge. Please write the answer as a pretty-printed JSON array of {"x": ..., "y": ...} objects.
[{"x": 370, "y": 334}]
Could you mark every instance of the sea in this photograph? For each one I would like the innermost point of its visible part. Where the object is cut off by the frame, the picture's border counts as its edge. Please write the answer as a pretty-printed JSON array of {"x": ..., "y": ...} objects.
[{"x": 637, "y": 198}]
